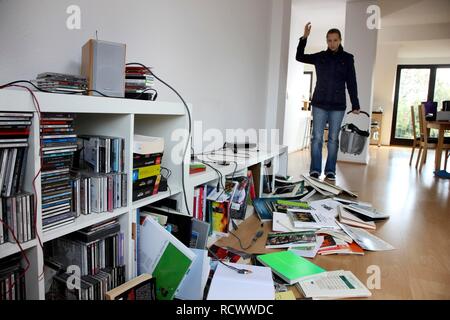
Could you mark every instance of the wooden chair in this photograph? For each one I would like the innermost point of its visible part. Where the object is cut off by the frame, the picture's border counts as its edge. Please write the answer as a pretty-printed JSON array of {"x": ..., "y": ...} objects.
[
  {"x": 426, "y": 142},
  {"x": 416, "y": 137}
]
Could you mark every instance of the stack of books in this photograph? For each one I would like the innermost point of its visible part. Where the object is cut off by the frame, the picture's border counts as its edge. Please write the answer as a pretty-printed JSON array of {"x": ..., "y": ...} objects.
[
  {"x": 59, "y": 144},
  {"x": 97, "y": 179},
  {"x": 16, "y": 207},
  {"x": 138, "y": 80},
  {"x": 196, "y": 168},
  {"x": 334, "y": 245},
  {"x": 147, "y": 158},
  {"x": 61, "y": 83}
]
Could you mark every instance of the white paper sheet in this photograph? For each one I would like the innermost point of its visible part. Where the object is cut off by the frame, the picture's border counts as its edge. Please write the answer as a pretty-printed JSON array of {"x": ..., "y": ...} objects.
[{"x": 228, "y": 284}]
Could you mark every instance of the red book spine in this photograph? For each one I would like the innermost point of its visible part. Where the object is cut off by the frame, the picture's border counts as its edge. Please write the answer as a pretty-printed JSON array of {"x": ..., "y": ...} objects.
[
  {"x": 200, "y": 204},
  {"x": 195, "y": 206}
]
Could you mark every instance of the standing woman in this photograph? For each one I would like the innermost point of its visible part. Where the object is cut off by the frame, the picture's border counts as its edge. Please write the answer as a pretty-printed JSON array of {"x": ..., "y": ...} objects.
[{"x": 335, "y": 69}]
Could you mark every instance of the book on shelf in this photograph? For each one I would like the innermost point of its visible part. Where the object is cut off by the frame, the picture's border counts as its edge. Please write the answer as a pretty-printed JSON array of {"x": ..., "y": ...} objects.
[
  {"x": 196, "y": 167},
  {"x": 289, "y": 266},
  {"x": 338, "y": 284},
  {"x": 147, "y": 161},
  {"x": 147, "y": 145},
  {"x": 240, "y": 198},
  {"x": 219, "y": 205}
]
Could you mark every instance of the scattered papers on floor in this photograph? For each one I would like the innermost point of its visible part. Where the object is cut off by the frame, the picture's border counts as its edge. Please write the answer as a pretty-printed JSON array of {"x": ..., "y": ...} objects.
[
  {"x": 308, "y": 250},
  {"x": 366, "y": 240}
]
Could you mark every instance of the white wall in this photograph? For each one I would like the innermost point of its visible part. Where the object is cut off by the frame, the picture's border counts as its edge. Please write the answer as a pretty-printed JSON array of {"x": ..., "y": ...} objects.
[
  {"x": 278, "y": 64},
  {"x": 384, "y": 83},
  {"x": 215, "y": 52},
  {"x": 323, "y": 16},
  {"x": 362, "y": 43}
]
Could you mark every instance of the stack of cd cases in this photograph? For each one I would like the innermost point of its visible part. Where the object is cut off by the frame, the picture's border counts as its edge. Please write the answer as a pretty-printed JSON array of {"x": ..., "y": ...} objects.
[{"x": 58, "y": 144}]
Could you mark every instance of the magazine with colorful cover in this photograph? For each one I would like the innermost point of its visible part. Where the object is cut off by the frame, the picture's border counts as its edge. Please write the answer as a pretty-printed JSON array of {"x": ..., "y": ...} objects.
[{"x": 290, "y": 239}]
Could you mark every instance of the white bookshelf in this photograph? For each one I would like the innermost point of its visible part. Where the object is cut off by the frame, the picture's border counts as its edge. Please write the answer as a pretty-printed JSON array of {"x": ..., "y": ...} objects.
[
  {"x": 99, "y": 116},
  {"x": 120, "y": 118}
]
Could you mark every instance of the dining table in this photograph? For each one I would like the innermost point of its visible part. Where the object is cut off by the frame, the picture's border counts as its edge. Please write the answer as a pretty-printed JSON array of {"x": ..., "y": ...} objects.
[{"x": 441, "y": 126}]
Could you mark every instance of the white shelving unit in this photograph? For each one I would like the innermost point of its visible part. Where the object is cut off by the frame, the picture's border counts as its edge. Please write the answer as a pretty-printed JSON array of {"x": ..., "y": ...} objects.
[
  {"x": 100, "y": 116},
  {"x": 121, "y": 118}
]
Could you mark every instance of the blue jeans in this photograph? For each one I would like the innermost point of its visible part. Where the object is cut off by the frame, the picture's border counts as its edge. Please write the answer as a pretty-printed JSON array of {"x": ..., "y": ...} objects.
[{"x": 320, "y": 119}]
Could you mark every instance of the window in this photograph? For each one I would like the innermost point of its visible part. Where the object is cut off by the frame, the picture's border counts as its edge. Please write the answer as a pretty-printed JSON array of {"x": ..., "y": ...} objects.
[{"x": 416, "y": 84}]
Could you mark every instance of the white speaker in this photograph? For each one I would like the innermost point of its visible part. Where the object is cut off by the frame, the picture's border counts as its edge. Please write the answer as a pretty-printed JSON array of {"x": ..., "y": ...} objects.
[{"x": 103, "y": 64}]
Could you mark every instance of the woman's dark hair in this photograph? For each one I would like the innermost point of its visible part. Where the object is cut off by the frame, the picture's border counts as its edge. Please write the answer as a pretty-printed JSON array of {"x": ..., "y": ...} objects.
[{"x": 334, "y": 30}]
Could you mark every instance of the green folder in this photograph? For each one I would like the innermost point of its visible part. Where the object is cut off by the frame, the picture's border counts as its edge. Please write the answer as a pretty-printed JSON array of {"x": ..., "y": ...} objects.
[
  {"x": 170, "y": 271},
  {"x": 289, "y": 266},
  {"x": 298, "y": 204}
]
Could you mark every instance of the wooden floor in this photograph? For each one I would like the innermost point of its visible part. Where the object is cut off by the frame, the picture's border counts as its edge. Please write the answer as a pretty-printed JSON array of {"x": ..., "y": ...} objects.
[{"x": 419, "y": 227}]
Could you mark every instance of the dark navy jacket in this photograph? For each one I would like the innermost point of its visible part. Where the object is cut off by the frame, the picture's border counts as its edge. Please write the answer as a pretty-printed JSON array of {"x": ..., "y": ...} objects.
[{"x": 334, "y": 70}]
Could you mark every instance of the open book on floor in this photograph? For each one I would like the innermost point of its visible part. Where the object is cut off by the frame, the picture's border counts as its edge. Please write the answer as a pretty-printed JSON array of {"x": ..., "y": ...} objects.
[
  {"x": 366, "y": 211},
  {"x": 327, "y": 189},
  {"x": 355, "y": 220},
  {"x": 338, "y": 284}
]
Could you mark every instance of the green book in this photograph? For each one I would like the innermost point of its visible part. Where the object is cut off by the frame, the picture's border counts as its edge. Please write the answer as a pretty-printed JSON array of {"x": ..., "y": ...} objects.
[
  {"x": 289, "y": 266},
  {"x": 170, "y": 271},
  {"x": 297, "y": 204}
]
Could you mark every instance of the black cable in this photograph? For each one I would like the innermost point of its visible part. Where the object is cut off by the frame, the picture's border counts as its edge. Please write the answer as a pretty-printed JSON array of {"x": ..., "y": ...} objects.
[
  {"x": 219, "y": 174},
  {"x": 258, "y": 235},
  {"x": 235, "y": 168},
  {"x": 146, "y": 90},
  {"x": 189, "y": 126}
]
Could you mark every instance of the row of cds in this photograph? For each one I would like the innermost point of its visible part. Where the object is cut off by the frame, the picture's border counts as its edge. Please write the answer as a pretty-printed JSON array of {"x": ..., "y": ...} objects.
[
  {"x": 16, "y": 206},
  {"x": 98, "y": 192},
  {"x": 58, "y": 145}
]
